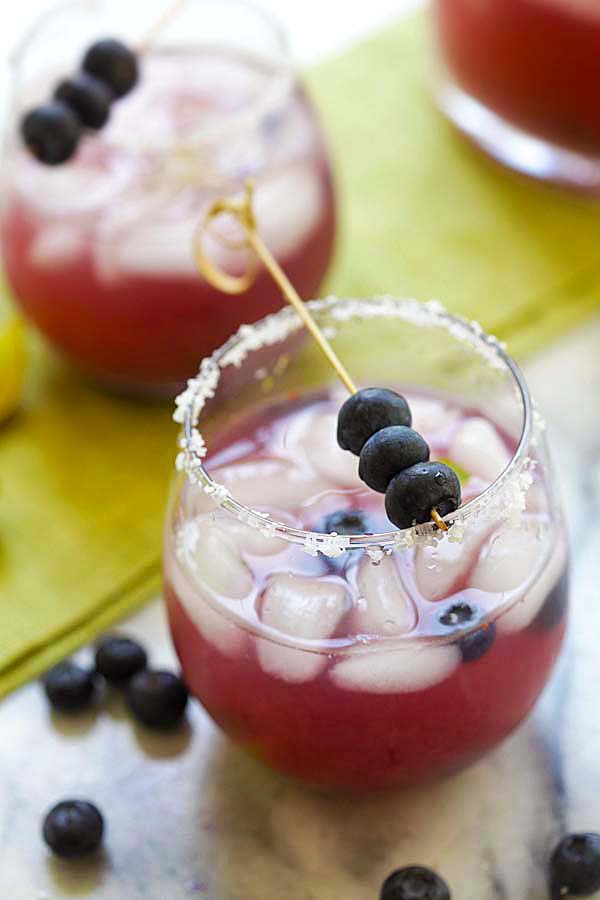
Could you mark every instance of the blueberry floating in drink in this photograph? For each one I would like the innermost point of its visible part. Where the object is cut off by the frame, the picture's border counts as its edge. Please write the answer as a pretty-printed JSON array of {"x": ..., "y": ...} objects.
[{"x": 52, "y": 131}]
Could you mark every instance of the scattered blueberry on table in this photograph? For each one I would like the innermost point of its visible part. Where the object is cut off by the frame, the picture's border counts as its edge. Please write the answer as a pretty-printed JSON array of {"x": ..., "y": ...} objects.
[
  {"x": 157, "y": 699},
  {"x": 575, "y": 866},
  {"x": 414, "y": 883},
  {"x": 69, "y": 688},
  {"x": 374, "y": 424},
  {"x": 73, "y": 828},
  {"x": 119, "y": 658}
]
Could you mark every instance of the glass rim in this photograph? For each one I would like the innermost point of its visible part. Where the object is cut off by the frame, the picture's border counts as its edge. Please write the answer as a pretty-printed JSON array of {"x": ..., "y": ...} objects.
[
  {"x": 278, "y": 326},
  {"x": 277, "y": 88}
]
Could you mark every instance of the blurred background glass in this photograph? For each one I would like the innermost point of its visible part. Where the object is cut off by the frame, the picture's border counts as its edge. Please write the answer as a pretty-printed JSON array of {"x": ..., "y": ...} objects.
[{"x": 520, "y": 78}]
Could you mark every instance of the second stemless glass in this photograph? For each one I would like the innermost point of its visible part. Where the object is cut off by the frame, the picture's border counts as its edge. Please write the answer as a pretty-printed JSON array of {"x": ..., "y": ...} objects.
[
  {"x": 99, "y": 251},
  {"x": 376, "y": 659},
  {"x": 519, "y": 79}
]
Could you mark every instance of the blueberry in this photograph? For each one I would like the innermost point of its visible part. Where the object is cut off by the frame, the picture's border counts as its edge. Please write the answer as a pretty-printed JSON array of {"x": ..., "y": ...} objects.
[
  {"x": 88, "y": 97},
  {"x": 73, "y": 828},
  {"x": 368, "y": 411},
  {"x": 414, "y": 492},
  {"x": 113, "y": 63},
  {"x": 389, "y": 451},
  {"x": 118, "y": 658},
  {"x": 157, "y": 699},
  {"x": 476, "y": 644},
  {"x": 414, "y": 883},
  {"x": 69, "y": 688},
  {"x": 555, "y": 605},
  {"x": 458, "y": 613},
  {"x": 575, "y": 866},
  {"x": 51, "y": 132},
  {"x": 345, "y": 521}
]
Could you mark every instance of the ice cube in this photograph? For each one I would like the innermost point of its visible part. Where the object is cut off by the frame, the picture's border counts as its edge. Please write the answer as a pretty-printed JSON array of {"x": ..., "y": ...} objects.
[
  {"x": 87, "y": 185},
  {"x": 57, "y": 244},
  {"x": 270, "y": 483},
  {"x": 146, "y": 245},
  {"x": 248, "y": 538},
  {"x": 329, "y": 460},
  {"x": 440, "y": 567},
  {"x": 220, "y": 631},
  {"x": 288, "y": 206},
  {"x": 478, "y": 448},
  {"x": 384, "y": 606},
  {"x": 216, "y": 563},
  {"x": 509, "y": 560},
  {"x": 405, "y": 669},
  {"x": 527, "y": 607},
  {"x": 431, "y": 417},
  {"x": 299, "y": 608}
]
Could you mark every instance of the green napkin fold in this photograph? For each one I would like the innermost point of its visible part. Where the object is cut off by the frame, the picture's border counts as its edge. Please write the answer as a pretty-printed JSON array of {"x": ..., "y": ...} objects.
[{"x": 83, "y": 476}]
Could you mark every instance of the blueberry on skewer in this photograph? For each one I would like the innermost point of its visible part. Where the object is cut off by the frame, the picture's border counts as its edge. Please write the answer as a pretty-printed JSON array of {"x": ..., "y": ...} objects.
[
  {"x": 389, "y": 451},
  {"x": 374, "y": 423},
  {"x": 415, "y": 492},
  {"x": 114, "y": 63},
  {"x": 51, "y": 132},
  {"x": 368, "y": 411},
  {"x": 88, "y": 97}
]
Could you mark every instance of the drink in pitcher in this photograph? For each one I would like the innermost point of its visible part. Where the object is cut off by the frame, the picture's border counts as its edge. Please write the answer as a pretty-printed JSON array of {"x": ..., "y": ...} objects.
[
  {"x": 337, "y": 649},
  {"x": 99, "y": 250}
]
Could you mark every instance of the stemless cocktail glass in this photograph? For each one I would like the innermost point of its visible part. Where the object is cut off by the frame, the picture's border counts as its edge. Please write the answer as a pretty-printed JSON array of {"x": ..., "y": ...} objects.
[
  {"x": 368, "y": 657},
  {"x": 520, "y": 80},
  {"x": 99, "y": 251}
]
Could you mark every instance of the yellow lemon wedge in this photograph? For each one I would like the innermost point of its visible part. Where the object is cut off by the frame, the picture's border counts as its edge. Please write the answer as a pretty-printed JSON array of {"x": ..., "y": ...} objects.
[{"x": 13, "y": 363}]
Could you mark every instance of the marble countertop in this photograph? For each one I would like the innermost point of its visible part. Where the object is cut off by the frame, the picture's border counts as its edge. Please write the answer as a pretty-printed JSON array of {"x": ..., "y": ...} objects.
[{"x": 189, "y": 816}]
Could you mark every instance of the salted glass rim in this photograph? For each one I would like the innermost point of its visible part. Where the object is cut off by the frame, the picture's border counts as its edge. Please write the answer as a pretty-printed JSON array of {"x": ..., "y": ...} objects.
[
  {"x": 277, "y": 88},
  {"x": 276, "y": 328}
]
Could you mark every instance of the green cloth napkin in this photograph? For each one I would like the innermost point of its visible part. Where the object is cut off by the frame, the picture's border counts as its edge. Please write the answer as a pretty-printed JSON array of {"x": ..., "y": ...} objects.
[{"x": 83, "y": 476}]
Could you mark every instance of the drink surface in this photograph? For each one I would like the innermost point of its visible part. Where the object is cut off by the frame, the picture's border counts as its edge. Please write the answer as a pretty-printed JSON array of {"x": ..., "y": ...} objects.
[
  {"x": 534, "y": 62},
  {"x": 100, "y": 251},
  {"x": 354, "y": 641}
]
